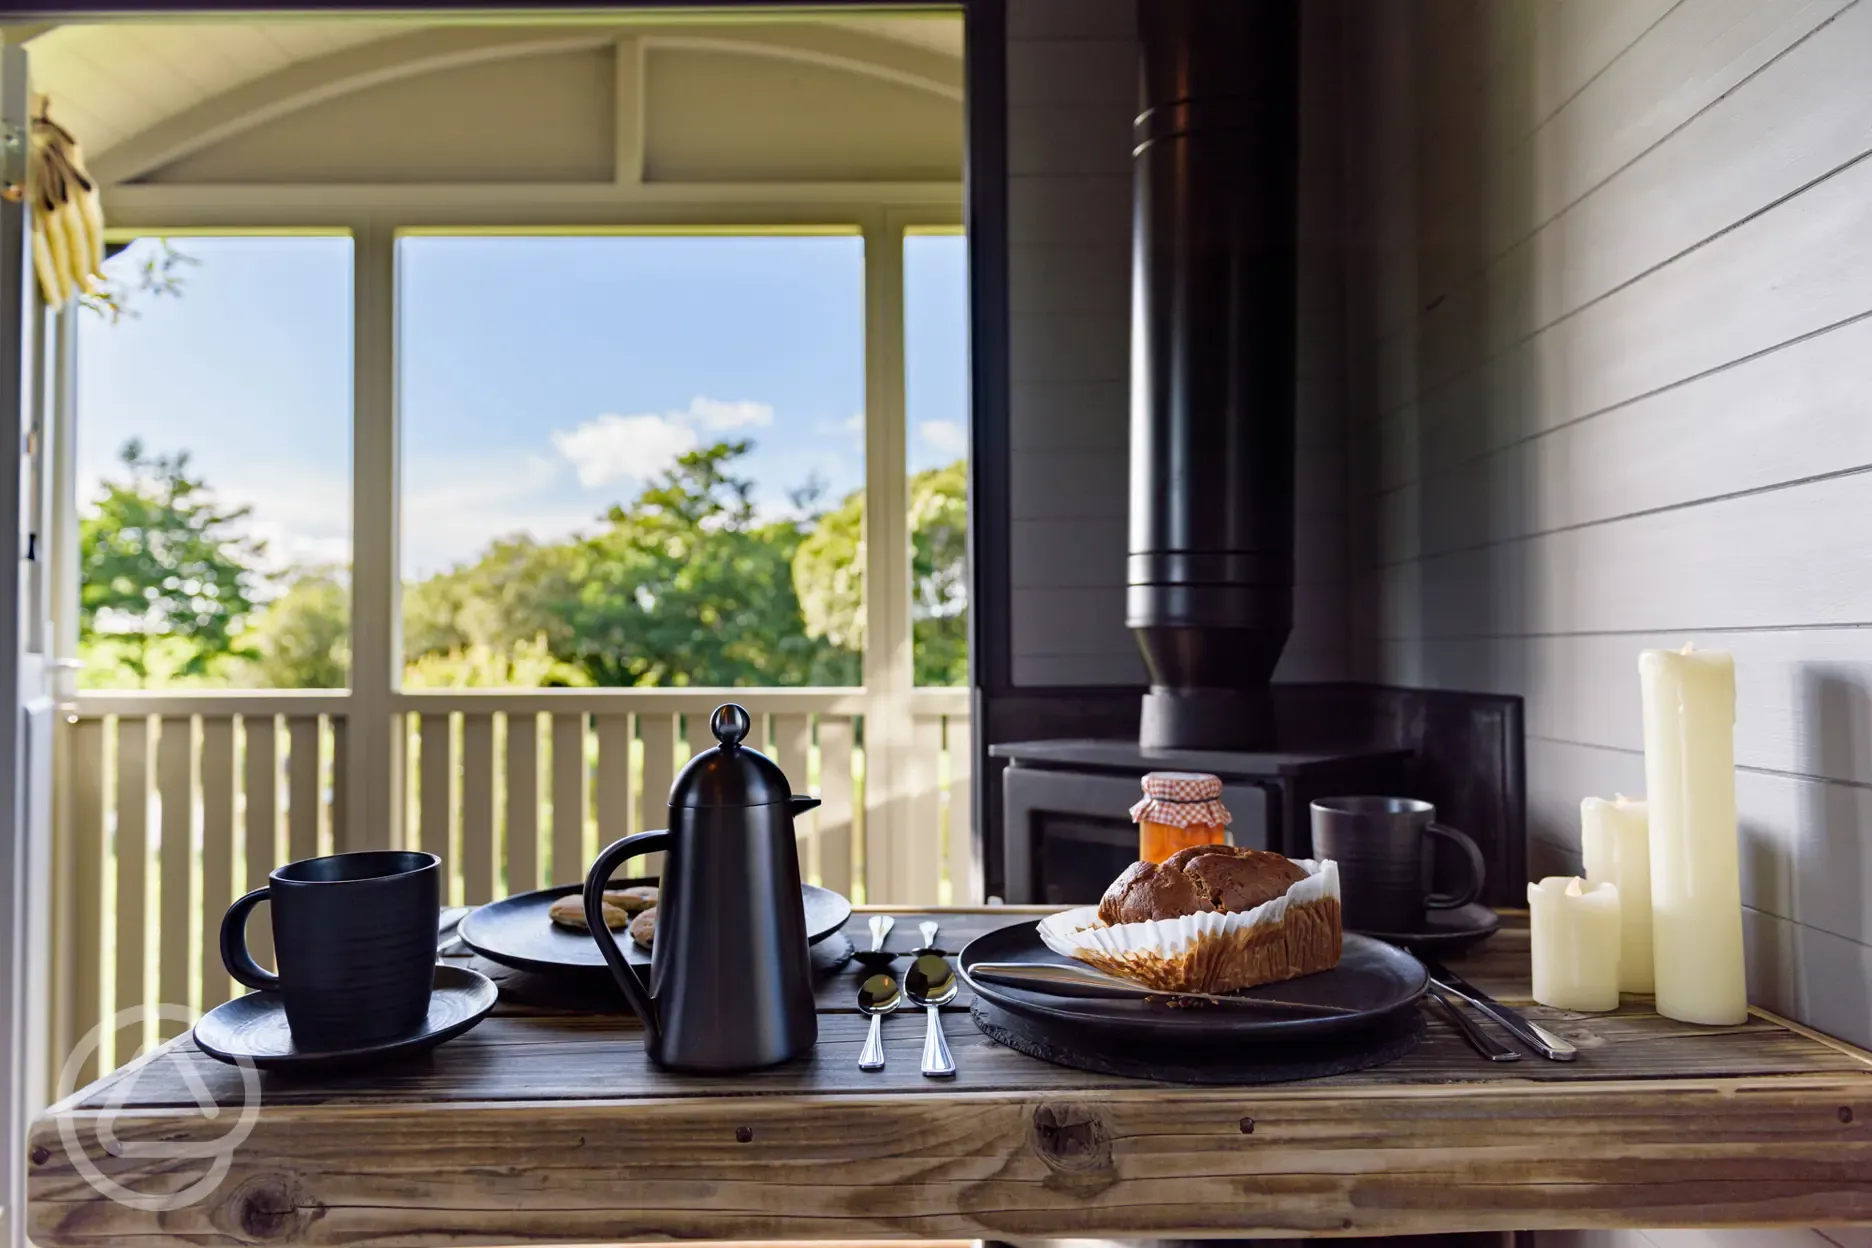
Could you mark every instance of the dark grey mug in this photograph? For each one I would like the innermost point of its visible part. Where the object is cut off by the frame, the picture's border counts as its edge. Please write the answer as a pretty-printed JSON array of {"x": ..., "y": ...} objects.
[
  {"x": 1385, "y": 850},
  {"x": 355, "y": 939}
]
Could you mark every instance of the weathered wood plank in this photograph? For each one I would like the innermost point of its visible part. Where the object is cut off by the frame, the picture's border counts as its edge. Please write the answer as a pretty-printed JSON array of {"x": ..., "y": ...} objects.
[
  {"x": 217, "y": 860},
  {"x": 836, "y": 832},
  {"x": 1093, "y": 1161},
  {"x": 523, "y": 802},
  {"x": 260, "y": 822},
  {"x": 477, "y": 809},
  {"x": 568, "y": 798}
]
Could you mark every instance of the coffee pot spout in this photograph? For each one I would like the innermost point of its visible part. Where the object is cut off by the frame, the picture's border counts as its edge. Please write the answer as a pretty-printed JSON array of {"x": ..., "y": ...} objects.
[{"x": 799, "y": 804}]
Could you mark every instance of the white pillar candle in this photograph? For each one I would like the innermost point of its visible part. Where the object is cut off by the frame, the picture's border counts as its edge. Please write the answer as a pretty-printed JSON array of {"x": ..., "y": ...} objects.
[
  {"x": 1696, "y": 888},
  {"x": 1615, "y": 840},
  {"x": 1575, "y": 937}
]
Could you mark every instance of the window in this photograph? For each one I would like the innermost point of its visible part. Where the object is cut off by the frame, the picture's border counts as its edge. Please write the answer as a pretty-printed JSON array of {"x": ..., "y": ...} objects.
[
  {"x": 936, "y": 408},
  {"x": 214, "y": 464},
  {"x": 632, "y": 459}
]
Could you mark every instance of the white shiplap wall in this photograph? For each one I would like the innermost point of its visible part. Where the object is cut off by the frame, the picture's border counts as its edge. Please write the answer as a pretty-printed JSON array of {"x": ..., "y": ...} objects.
[
  {"x": 1609, "y": 308},
  {"x": 1072, "y": 94}
]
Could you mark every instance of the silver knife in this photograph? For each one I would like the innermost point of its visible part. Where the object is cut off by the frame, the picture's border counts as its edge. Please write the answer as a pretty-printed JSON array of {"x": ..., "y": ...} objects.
[
  {"x": 1072, "y": 981},
  {"x": 1483, "y": 1043},
  {"x": 1532, "y": 1034}
]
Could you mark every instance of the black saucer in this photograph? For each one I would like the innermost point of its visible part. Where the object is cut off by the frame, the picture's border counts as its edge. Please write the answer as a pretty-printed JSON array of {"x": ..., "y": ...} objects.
[
  {"x": 1445, "y": 931},
  {"x": 254, "y": 1028}
]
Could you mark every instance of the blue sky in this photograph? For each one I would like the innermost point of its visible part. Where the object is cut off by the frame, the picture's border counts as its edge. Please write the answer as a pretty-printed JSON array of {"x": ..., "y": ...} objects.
[{"x": 541, "y": 379}]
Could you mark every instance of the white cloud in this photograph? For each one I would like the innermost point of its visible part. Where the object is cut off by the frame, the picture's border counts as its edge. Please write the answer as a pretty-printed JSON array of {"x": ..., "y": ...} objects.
[
  {"x": 944, "y": 435},
  {"x": 611, "y": 447},
  {"x": 724, "y": 414}
]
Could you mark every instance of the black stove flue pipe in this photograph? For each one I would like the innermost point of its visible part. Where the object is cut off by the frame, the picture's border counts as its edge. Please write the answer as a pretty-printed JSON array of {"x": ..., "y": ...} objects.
[{"x": 1210, "y": 577}]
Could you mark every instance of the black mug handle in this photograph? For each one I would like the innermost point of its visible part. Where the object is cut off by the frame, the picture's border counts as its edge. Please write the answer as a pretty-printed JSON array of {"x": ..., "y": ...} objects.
[
  {"x": 234, "y": 955},
  {"x": 1478, "y": 872},
  {"x": 632, "y": 987}
]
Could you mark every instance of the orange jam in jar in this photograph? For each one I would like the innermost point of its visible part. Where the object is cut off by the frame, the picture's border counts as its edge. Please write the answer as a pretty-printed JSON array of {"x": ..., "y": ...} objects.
[{"x": 1179, "y": 809}]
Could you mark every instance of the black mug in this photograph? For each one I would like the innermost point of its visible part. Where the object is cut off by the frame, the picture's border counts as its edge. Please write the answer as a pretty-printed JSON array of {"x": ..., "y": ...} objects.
[
  {"x": 355, "y": 938},
  {"x": 1385, "y": 850}
]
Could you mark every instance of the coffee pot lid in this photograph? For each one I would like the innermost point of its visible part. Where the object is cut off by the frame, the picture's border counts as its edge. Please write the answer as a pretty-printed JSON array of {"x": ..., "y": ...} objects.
[{"x": 730, "y": 773}]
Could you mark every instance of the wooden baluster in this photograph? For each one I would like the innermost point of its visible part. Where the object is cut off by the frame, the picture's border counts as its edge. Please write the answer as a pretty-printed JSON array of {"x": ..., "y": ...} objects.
[
  {"x": 86, "y": 742},
  {"x": 919, "y": 864},
  {"x": 217, "y": 799},
  {"x": 261, "y": 819},
  {"x": 523, "y": 802},
  {"x": 614, "y": 774},
  {"x": 477, "y": 809},
  {"x": 659, "y": 772},
  {"x": 836, "y": 834},
  {"x": 792, "y": 743},
  {"x": 302, "y": 787},
  {"x": 438, "y": 769},
  {"x": 341, "y": 835},
  {"x": 961, "y": 805},
  {"x": 177, "y": 914},
  {"x": 133, "y": 768},
  {"x": 568, "y": 788}
]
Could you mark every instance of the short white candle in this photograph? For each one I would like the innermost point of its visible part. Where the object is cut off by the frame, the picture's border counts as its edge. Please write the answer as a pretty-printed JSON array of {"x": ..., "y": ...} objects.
[
  {"x": 1575, "y": 929},
  {"x": 1615, "y": 840},
  {"x": 1696, "y": 878}
]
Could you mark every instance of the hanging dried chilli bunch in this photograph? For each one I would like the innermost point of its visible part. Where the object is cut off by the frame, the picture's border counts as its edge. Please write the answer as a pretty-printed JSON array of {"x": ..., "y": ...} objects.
[{"x": 68, "y": 220}]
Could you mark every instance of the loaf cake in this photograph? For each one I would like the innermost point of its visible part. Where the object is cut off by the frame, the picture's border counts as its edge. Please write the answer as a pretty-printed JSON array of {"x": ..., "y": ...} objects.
[{"x": 1212, "y": 918}]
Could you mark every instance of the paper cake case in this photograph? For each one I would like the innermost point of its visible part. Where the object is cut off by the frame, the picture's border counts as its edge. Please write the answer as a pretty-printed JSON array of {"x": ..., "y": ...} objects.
[{"x": 1295, "y": 934}]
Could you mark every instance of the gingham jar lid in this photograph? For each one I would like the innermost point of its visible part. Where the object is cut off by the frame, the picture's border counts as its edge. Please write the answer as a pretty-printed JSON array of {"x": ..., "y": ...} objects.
[{"x": 1182, "y": 799}]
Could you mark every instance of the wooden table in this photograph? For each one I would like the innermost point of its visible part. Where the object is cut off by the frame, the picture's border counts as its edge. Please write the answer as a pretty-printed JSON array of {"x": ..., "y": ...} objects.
[{"x": 542, "y": 1127}]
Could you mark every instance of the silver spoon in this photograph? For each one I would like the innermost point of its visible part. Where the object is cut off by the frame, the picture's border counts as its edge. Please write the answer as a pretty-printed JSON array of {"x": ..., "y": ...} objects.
[
  {"x": 877, "y": 996},
  {"x": 874, "y": 958},
  {"x": 927, "y": 929},
  {"x": 932, "y": 984}
]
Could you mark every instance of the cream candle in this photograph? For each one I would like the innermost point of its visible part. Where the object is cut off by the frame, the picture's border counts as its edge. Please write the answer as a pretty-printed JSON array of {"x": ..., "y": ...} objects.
[
  {"x": 1696, "y": 882},
  {"x": 1575, "y": 938},
  {"x": 1615, "y": 840}
]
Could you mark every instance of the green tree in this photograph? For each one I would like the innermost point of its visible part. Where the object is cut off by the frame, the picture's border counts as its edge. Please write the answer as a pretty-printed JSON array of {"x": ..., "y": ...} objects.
[
  {"x": 161, "y": 563},
  {"x": 302, "y": 639},
  {"x": 828, "y": 575},
  {"x": 684, "y": 586}
]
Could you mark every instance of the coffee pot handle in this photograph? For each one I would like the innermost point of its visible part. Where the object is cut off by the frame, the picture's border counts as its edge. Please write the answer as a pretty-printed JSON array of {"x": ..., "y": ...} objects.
[
  {"x": 632, "y": 987},
  {"x": 1478, "y": 871}
]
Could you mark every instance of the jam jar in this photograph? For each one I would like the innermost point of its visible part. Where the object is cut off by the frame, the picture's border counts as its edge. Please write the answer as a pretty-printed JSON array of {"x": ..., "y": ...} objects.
[{"x": 1179, "y": 809}]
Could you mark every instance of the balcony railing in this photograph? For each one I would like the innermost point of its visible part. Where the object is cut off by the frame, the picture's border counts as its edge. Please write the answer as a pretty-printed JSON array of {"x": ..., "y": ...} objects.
[{"x": 176, "y": 803}]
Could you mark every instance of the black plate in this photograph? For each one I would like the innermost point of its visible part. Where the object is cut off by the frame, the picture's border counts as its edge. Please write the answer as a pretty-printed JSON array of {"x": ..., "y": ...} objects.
[
  {"x": 516, "y": 931},
  {"x": 254, "y": 1027},
  {"x": 1446, "y": 931},
  {"x": 1373, "y": 980}
]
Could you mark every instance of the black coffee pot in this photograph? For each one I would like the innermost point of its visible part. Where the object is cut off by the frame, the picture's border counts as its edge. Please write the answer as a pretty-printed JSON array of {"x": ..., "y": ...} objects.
[{"x": 730, "y": 976}]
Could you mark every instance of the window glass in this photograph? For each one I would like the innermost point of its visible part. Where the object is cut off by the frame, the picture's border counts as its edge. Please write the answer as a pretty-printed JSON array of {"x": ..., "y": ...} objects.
[
  {"x": 632, "y": 460},
  {"x": 214, "y": 465},
  {"x": 936, "y": 406}
]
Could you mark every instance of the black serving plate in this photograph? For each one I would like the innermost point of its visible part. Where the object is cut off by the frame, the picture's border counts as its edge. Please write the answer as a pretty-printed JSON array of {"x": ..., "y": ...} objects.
[
  {"x": 1372, "y": 982},
  {"x": 1446, "y": 931},
  {"x": 253, "y": 1028},
  {"x": 516, "y": 931}
]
